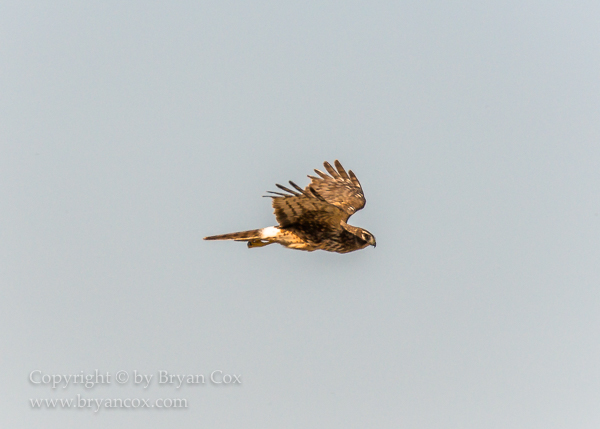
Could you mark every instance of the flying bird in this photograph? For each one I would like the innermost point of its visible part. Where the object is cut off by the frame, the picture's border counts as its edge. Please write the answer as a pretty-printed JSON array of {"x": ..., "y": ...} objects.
[{"x": 314, "y": 218}]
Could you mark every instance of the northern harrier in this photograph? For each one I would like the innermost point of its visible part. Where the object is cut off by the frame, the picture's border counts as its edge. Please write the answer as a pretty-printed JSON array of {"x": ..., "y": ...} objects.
[{"x": 315, "y": 217}]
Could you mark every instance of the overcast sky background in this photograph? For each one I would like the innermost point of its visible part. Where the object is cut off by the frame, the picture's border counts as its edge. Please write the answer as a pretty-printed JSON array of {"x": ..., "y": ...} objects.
[{"x": 130, "y": 130}]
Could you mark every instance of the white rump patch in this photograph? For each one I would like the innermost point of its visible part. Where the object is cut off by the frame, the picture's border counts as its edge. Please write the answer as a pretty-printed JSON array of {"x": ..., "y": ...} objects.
[{"x": 270, "y": 232}]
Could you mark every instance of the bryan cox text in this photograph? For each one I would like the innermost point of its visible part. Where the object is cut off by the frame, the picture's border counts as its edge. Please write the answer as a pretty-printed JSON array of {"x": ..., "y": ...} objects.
[{"x": 216, "y": 377}]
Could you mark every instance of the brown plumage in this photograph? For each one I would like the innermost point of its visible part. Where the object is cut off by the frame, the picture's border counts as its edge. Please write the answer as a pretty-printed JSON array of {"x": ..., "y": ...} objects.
[{"x": 315, "y": 217}]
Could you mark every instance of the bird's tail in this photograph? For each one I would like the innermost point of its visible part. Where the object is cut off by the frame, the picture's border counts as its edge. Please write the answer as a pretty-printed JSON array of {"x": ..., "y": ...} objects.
[{"x": 253, "y": 234}]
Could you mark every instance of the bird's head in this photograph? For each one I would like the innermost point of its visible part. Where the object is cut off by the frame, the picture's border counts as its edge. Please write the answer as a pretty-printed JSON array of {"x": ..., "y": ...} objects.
[{"x": 368, "y": 237}]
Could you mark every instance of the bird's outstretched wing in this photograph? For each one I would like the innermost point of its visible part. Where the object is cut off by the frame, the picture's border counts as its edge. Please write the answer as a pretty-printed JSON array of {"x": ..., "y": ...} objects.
[
  {"x": 304, "y": 207},
  {"x": 328, "y": 199},
  {"x": 338, "y": 188}
]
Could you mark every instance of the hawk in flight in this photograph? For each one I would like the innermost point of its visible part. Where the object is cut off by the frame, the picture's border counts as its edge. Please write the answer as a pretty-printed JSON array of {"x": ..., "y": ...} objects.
[{"x": 315, "y": 217}]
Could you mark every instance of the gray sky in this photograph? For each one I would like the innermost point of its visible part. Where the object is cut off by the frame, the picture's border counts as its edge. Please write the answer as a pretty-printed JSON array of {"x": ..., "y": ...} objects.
[{"x": 130, "y": 130}]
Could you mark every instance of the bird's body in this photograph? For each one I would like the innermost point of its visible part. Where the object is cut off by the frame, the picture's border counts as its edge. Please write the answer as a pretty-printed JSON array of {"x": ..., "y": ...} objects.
[{"x": 314, "y": 218}]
